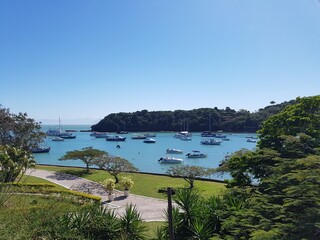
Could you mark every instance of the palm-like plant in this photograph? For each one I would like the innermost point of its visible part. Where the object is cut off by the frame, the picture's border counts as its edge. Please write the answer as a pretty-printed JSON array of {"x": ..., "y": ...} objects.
[{"x": 131, "y": 224}]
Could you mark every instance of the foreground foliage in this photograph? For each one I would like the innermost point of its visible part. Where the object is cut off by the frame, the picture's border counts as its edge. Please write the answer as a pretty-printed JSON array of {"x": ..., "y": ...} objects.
[
  {"x": 280, "y": 179},
  {"x": 61, "y": 219}
]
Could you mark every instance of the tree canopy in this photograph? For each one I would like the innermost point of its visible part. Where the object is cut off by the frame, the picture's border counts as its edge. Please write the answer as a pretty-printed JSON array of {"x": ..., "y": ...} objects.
[
  {"x": 18, "y": 130},
  {"x": 114, "y": 165},
  {"x": 202, "y": 119},
  {"x": 189, "y": 173},
  {"x": 87, "y": 155},
  {"x": 280, "y": 179}
]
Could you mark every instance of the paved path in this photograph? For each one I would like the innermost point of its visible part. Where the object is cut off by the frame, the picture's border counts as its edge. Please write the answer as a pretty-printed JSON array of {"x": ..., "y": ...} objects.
[{"x": 151, "y": 209}]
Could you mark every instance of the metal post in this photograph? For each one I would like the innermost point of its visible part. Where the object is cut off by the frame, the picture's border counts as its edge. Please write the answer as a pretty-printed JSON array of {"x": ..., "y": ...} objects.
[{"x": 169, "y": 193}]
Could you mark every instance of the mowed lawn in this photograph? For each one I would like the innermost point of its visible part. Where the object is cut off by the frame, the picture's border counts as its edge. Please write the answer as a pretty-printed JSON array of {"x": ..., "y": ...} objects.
[{"x": 144, "y": 184}]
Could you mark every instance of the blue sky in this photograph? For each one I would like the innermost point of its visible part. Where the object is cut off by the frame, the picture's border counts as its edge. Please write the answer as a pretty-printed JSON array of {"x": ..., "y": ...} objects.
[{"x": 83, "y": 59}]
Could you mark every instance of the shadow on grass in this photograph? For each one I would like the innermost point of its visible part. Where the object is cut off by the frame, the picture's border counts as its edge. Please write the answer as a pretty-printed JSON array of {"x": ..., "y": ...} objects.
[{"x": 78, "y": 173}]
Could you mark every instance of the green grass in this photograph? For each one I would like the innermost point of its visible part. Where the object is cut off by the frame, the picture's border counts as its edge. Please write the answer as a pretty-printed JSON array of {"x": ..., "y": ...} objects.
[
  {"x": 151, "y": 228},
  {"x": 31, "y": 179},
  {"x": 144, "y": 184}
]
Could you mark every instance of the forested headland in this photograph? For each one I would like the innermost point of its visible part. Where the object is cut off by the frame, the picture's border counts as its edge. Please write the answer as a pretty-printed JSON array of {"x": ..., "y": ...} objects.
[{"x": 196, "y": 120}]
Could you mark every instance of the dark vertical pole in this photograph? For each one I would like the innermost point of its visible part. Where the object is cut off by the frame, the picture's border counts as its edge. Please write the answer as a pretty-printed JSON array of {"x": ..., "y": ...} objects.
[{"x": 169, "y": 192}]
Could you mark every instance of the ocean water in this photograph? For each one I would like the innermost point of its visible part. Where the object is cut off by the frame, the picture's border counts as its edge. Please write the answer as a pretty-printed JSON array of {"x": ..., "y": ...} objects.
[{"x": 144, "y": 156}]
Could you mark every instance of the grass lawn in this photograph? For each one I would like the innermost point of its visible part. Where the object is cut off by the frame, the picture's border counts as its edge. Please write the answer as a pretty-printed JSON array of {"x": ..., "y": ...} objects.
[
  {"x": 144, "y": 184},
  {"x": 31, "y": 179}
]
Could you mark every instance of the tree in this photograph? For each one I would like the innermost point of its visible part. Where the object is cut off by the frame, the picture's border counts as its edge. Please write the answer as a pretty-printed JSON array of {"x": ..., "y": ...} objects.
[
  {"x": 18, "y": 130},
  {"x": 87, "y": 155},
  {"x": 286, "y": 167},
  {"x": 189, "y": 173},
  {"x": 302, "y": 117},
  {"x": 114, "y": 165},
  {"x": 13, "y": 164},
  {"x": 13, "y": 161}
]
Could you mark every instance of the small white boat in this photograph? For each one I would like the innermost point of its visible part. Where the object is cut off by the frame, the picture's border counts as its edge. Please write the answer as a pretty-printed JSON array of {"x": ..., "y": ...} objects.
[
  {"x": 173, "y": 150},
  {"x": 251, "y": 140},
  {"x": 99, "y": 134},
  {"x": 150, "y": 135},
  {"x": 138, "y": 136},
  {"x": 58, "y": 139},
  {"x": 149, "y": 140},
  {"x": 211, "y": 142},
  {"x": 196, "y": 154},
  {"x": 186, "y": 138},
  {"x": 183, "y": 134},
  {"x": 170, "y": 160}
]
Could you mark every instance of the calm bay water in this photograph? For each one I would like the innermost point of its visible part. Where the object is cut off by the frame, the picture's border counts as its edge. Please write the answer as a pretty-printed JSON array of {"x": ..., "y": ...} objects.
[{"x": 144, "y": 156}]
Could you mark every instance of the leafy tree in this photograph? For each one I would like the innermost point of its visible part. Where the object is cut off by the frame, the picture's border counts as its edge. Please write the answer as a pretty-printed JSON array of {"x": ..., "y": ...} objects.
[
  {"x": 87, "y": 155},
  {"x": 13, "y": 164},
  {"x": 189, "y": 173},
  {"x": 13, "y": 161},
  {"x": 18, "y": 130},
  {"x": 284, "y": 196},
  {"x": 114, "y": 165},
  {"x": 302, "y": 117}
]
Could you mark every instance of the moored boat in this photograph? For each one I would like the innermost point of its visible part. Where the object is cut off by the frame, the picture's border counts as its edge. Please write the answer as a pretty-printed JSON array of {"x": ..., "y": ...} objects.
[
  {"x": 99, "y": 134},
  {"x": 251, "y": 140},
  {"x": 173, "y": 150},
  {"x": 40, "y": 149},
  {"x": 208, "y": 134},
  {"x": 149, "y": 140},
  {"x": 115, "y": 138},
  {"x": 57, "y": 139},
  {"x": 138, "y": 136},
  {"x": 211, "y": 141},
  {"x": 182, "y": 134},
  {"x": 170, "y": 160},
  {"x": 196, "y": 154},
  {"x": 67, "y": 135},
  {"x": 150, "y": 134}
]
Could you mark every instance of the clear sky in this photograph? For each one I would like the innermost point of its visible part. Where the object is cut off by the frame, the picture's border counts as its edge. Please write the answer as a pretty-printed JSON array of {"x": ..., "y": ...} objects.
[{"x": 84, "y": 59}]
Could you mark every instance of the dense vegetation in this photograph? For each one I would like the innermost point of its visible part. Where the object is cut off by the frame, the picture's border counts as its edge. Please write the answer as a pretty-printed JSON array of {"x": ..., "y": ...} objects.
[
  {"x": 202, "y": 119},
  {"x": 274, "y": 191}
]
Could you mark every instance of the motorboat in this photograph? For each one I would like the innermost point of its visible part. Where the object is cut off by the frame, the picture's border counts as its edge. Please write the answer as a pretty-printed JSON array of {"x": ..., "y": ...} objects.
[
  {"x": 170, "y": 160},
  {"x": 54, "y": 132},
  {"x": 150, "y": 135},
  {"x": 149, "y": 140},
  {"x": 67, "y": 135},
  {"x": 58, "y": 139},
  {"x": 219, "y": 135},
  {"x": 208, "y": 134},
  {"x": 173, "y": 150},
  {"x": 40, "y": 150},
  {"x": 115, "y": 138},
  {"x": 186, "y": 138},
  {"x": 211, "y": 141},
  {"x": 182, "y": 134},
  {"x": 251, "y": 140},
  {"x": 99, "y": 134},
  {"x": 196, "y": 154},
  {"x": 138, "y": 136}
]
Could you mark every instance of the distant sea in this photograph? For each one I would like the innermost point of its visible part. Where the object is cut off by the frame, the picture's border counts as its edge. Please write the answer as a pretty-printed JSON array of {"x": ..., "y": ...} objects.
[{"x": 144, "y": 156}]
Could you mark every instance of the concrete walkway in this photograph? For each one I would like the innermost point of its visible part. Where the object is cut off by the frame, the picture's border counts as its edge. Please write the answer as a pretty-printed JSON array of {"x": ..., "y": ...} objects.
[{"x": 151, "y": 209}]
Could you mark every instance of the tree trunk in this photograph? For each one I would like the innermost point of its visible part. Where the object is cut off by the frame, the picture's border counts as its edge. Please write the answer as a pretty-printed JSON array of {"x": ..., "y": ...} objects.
[
  {"x": 116, "y": 177},
  {"x": 88, "y": 168}
]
